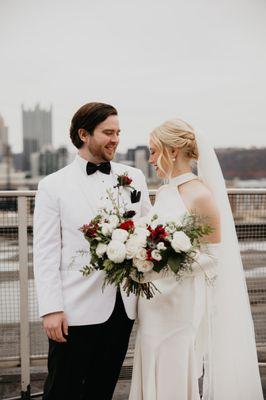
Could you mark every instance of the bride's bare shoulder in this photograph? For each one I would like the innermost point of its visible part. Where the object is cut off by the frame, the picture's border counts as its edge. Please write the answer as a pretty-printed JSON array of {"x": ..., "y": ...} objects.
[
  {"x": 203, "y": 203},
  {"x": 202, "y": 198}
]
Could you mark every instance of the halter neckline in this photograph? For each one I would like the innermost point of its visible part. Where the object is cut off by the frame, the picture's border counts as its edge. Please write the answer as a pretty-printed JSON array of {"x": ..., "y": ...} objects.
[{"x": 183, "y": 178}]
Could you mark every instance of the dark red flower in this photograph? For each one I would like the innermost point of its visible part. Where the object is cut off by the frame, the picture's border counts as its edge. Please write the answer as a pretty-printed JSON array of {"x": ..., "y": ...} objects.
[
  {"x": 127, "y": 225},
  {"x": 124, "y": 180},
  {"x": 89, "y": 230},
  {"x": 158, "y": 233},
  {"x": 84, "y": 227},
  {"x": 149, "y": 257},
  {"x": 129, "y": 214}
]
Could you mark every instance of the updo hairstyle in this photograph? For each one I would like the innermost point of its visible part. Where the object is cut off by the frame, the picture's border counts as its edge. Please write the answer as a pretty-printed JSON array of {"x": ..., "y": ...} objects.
[{"x": 174, "y": 134}]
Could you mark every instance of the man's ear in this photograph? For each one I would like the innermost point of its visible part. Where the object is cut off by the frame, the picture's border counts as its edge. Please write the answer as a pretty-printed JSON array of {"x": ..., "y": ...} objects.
[{"x": 83, "y": 134}]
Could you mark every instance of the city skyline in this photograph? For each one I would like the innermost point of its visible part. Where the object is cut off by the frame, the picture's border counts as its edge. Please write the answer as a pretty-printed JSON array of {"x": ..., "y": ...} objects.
[
  {"x": 202, "y": 61},
  {"x": 72, "y": 149}
]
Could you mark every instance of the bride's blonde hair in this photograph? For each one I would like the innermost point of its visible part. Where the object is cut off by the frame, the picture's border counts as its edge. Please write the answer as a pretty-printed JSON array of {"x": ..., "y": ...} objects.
[{"x": 174, "y": 134}]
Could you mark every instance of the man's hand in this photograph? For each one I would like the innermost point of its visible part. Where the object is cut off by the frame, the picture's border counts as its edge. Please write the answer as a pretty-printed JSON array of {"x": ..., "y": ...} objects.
[{"x": 55, "y": 326}]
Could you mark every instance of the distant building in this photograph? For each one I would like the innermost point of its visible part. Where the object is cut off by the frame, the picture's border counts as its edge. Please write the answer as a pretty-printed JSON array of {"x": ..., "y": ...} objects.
[
  {"x": 123, "y": 159},
  {"x": 37, "y": 132},
  {"x": 141, "y": 159},
  {"x": 18, "y": 159},
  {"x": 48, "y": 161},
  {"x": 3, "y": 138}
]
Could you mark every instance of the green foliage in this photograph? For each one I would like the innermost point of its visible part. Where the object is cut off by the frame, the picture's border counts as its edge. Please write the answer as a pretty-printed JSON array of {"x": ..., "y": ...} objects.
[
  {"x": 174, "y": 263},
  {"x": 86, "y": 270},
  {"x": 108, "y": 264}
]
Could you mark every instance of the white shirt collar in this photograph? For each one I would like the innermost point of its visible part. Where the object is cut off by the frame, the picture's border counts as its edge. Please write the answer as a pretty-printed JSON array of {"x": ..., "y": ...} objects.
[{"x": 82, "y": 163}]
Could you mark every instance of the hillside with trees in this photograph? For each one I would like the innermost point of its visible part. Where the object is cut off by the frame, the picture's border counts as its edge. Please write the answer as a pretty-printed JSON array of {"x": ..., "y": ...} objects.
[{"x": 242, "y": 163}]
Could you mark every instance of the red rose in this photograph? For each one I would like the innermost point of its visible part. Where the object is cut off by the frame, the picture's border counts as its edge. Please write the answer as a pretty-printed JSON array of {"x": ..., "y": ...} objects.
[
  {"x": 124, "y": 180},
  {"x": 127, "y": 225}
]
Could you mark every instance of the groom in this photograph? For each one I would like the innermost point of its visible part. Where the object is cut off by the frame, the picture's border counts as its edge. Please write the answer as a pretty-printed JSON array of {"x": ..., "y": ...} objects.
[{"x": 88, "y": 328}]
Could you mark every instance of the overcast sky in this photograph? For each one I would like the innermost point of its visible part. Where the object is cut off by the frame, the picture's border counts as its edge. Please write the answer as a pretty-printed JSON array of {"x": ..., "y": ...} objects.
[{"x": 201, "y": 60}]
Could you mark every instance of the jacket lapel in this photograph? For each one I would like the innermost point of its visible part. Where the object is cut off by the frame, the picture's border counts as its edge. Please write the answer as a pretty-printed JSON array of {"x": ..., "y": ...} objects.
[{"x": 80, "y": 181}]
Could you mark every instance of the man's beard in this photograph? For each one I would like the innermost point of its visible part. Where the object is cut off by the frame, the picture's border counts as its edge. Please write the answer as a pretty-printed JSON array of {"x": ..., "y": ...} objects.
[{"x": 99, "y": 153}]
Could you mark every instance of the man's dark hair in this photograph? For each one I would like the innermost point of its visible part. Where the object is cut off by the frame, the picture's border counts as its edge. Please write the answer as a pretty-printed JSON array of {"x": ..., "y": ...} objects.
[{"x": 88, "y": 117}]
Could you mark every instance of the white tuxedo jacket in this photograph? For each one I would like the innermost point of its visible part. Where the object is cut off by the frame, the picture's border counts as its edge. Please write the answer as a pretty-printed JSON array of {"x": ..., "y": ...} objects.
[{"x": 66, "y": 200}]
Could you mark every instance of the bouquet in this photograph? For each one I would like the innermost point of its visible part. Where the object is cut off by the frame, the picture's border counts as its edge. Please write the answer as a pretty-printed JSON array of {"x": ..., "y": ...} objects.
[{"x": 126, "y": 249}]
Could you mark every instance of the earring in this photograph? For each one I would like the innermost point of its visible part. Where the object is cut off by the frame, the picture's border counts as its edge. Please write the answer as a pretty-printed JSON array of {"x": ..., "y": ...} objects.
[{"x": 173, "y": 159}]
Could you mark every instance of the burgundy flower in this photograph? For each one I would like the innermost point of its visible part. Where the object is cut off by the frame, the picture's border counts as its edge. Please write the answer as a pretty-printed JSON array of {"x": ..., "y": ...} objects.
[
  {"x": 149, "y": 256},
  {"x": 127, "y": 225},
  {"x": 124, "y": 181},
  {"x": 158, "y": 233},
  {"x": 129, "y": 214},
  {"x": 89, "y": 230}
]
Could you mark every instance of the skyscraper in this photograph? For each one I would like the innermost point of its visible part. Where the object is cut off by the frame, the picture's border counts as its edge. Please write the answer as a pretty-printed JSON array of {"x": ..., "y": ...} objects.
[
  {"x": 37, "y": 132},
  {"x": 3, "y": 138}
]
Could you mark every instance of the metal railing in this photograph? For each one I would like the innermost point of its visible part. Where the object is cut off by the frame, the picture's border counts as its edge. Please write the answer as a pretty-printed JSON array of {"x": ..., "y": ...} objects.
[{"x": 22, "y": 340}]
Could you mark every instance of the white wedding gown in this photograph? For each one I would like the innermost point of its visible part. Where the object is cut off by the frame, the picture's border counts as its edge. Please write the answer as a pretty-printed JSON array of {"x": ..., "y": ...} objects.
[{"x": 169, "y": 346}]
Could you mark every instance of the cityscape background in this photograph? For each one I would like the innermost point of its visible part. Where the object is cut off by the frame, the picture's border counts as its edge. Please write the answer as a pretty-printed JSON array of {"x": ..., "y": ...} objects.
[
  {"x": 242, "y": 167},
  {"x": 199, "y": 60}
]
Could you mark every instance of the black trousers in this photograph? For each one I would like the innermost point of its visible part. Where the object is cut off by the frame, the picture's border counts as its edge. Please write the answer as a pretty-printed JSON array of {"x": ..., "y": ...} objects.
[{"x": 87, "y": 367}]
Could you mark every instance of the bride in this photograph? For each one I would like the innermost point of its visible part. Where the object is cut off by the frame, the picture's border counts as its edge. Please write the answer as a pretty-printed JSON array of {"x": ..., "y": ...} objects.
[{"x": 201, "y": 324}]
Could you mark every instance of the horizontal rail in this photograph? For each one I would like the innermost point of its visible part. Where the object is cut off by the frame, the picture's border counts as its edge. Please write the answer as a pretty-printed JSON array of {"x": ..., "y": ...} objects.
[
  {"x": 17, "y": 193},
  {"x": 152, "y": 192}
]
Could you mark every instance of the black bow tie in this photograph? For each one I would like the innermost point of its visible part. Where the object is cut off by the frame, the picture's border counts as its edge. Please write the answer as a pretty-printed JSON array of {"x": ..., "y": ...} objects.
[{"x": 104, "y": 167}]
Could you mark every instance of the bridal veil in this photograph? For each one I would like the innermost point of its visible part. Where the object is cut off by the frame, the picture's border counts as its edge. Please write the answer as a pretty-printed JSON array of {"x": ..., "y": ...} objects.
[{"x": 231, "y": 364}]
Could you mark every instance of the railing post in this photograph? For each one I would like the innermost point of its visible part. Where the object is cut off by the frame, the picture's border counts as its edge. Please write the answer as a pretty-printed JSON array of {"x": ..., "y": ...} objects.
[{"x": 24, "y": 314}]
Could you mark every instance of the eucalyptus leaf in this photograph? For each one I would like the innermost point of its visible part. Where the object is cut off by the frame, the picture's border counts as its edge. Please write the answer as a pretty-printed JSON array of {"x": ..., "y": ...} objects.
[{"x": 173, "y": 263}]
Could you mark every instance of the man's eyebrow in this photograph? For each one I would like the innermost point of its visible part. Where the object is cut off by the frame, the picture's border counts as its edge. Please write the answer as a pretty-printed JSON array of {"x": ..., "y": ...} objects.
[{"x": 111, "y": 130}]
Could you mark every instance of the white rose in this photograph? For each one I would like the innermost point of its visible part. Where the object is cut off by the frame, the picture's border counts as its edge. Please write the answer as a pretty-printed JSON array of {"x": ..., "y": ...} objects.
[
  {"x": 143, "y": 265},
  {"x": 156, "y": 255},
  {"x": 181, "y": 242},
  {"x": 107, "y": 229},
  {"x": 142, "y": 241},
  {"x": 101, "y": 249},
  {"x": 120, "y": 234},
  {"x": 141, "y": 235},
  {"x": 161, "y": 246},
  {"x": 114, "y": 220},
  {"x": 116, "y": 251},
  {"x": 139, "y": 231},
  {"x": 141, "y": 254},
  {"x": 132, "y": 246}
]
